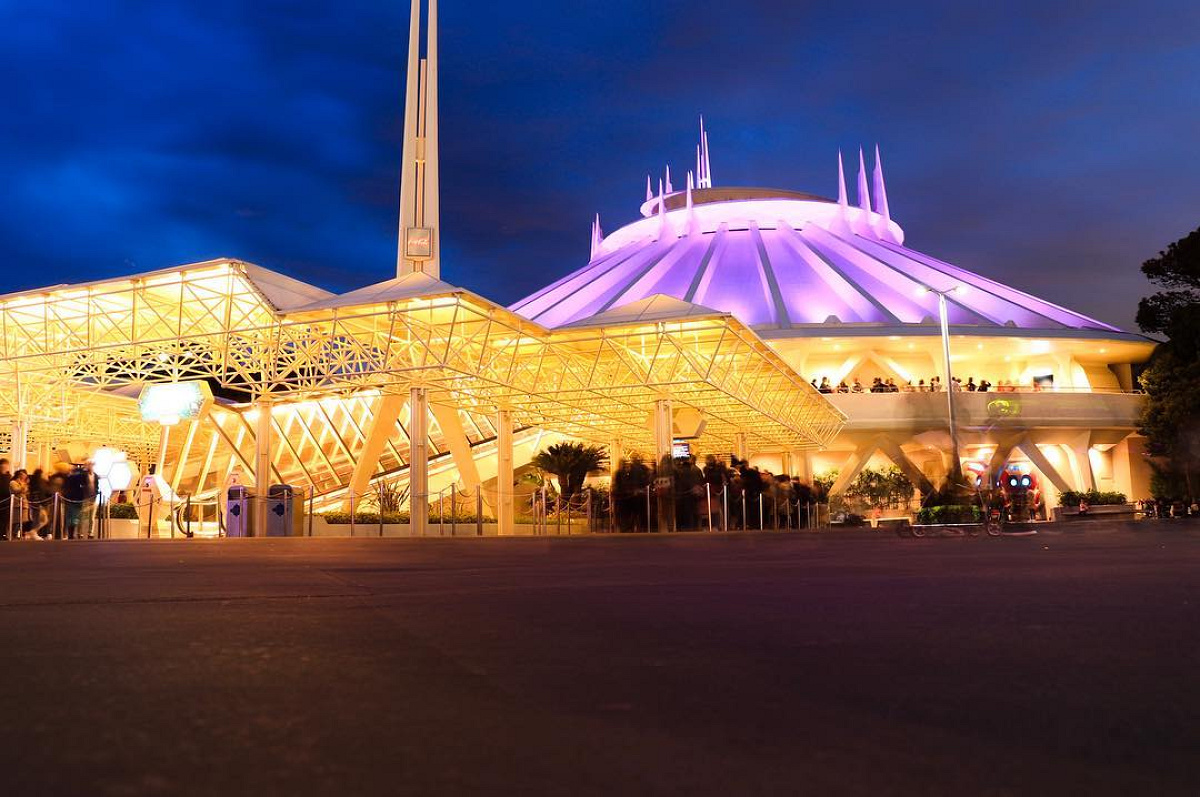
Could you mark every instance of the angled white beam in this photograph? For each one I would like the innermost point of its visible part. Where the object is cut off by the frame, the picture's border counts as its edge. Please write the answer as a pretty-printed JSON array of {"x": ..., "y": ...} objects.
[
  {"x": 449, "y": 421},
  {"x": 1031, "y": 450},
  {"x": 895, "y": 453},
  {"x": 383, "y": 426}
]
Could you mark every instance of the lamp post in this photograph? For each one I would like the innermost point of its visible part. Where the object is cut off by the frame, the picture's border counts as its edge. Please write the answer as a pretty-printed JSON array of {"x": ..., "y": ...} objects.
[{"x": 956, "y": 460}]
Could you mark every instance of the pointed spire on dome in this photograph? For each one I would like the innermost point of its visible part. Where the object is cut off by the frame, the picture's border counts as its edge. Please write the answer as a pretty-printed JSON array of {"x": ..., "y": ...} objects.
[
  {"x": 649, "y": 189},
  {"x": 864, "y": 197},
  {"x": 703, "y": 164},
  {"x": 708, "y": 181},
  {"x": 881, "y": 200},
  {"x": 670, "y": 188},
  {"x": 693, "y": 223},
  {"x": 841, "y": 182},
  {"x": 597, "y": 236},
  {"x": 662, "y": 212},
  {"x": 883, "y": 224}
]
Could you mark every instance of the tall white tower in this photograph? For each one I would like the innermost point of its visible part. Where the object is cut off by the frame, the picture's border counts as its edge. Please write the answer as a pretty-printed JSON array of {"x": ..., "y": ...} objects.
[{"x": 420, "y": 244}]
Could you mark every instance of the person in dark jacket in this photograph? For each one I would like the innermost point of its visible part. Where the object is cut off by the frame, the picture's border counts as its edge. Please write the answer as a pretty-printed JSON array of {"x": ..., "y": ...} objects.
[{"x": 6, "y": 531}]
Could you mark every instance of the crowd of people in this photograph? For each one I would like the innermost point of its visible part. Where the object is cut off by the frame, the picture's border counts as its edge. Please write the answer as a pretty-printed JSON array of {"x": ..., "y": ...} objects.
[
  {"x": 41, "y": 505},
  {"x": 934, "y": 385},
  {"x": 687, "y": 497}
]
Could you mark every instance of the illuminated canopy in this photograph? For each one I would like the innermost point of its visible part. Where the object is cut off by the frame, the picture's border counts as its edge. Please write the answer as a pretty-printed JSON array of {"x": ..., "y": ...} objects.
[{"x": 254, "y": 335}]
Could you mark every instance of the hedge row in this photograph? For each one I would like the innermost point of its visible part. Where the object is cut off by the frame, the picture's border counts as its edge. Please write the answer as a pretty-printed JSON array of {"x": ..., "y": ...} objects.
[{"x": 1093, "y": 497}]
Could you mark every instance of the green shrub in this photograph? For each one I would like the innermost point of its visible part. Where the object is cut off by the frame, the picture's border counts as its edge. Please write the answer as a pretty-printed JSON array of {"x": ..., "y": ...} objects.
[
  {"x": 949, "y": 513},
  {"x": 391, "y": 518},
  {"x": 1093, "y": 497},
  {"x": 122, "y": 511}
]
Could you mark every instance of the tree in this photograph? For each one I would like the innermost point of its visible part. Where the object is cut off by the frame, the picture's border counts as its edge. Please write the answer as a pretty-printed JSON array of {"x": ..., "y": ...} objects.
[
  {"x": 1174, "y": 312},
  {"x": 1171, "y": 418},
  {"x": 571, "y": 463}
]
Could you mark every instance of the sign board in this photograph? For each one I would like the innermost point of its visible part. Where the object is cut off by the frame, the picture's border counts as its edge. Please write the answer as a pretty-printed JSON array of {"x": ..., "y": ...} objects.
[
  {"x": 418, "y": 243},
  {"x": 681, "y": 449}
]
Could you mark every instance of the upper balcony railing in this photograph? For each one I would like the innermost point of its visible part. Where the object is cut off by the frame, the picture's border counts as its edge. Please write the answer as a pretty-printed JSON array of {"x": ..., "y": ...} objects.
[{"x": 916, "y": 411}]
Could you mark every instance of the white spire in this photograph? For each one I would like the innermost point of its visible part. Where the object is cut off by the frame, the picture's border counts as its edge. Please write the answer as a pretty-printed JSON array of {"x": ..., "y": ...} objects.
[
  {"x": 708, "y": 181},
  {"x": 881, "y": 200},
  {"x": 864, "y": 198},
  {"x": 703, "y": 164},
  {"x": 649, "y": 189},
  {"x": 670, "y": 188},
  {"x": 883, "y": 225},
  {"x": 841, "y": 223},
  {"x": 597, "y": 236},
  {"x": 692, "y": 221},
  {"x": 662, "y": 212},
  {"x": 841, "y": 181},
  {"x": 420, "y": 216}
]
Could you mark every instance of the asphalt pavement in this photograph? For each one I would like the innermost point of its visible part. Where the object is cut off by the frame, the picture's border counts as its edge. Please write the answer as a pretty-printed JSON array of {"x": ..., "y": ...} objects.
[{"x": 693, "y": 664}]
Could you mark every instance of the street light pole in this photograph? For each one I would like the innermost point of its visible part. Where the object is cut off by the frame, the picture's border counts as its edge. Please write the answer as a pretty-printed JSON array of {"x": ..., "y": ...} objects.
[
  {"x": 956, "y": 477},
  {"x": 956, "y": 460}
]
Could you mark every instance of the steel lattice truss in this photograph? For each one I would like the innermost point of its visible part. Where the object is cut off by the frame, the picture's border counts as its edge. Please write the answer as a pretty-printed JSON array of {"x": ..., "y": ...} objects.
[{"x": 65, "y": 347}]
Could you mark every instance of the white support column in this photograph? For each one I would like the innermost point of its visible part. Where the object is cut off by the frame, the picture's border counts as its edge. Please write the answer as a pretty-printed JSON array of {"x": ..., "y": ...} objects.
[
  {"x": 20, "y": 439},
  {"x": 663, "y": 429},
  {"x": 1079, "y": 455},
  {"x": 739, "y": 446},
  {"x": 616, "y": 453},
  {"x": 504, "y": 472},
  {"x": 418, "y": 460},
  {"x": 262, "y": 465}
]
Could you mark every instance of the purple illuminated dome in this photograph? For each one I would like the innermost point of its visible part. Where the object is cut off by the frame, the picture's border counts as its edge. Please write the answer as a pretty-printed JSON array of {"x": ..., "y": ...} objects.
[{"x": 788, "y": 264}]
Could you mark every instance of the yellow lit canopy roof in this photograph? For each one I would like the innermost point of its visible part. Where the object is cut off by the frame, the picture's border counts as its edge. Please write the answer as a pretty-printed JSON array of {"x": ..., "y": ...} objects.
[{"x": 258, "y": 334}]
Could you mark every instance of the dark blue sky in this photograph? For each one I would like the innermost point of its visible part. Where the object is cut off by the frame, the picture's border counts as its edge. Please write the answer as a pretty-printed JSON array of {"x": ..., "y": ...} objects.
[{"x": 1052, "y": 146}]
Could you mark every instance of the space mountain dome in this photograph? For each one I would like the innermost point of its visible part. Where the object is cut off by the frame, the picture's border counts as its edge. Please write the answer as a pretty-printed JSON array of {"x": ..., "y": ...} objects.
[{"x": 787, "y": 264}]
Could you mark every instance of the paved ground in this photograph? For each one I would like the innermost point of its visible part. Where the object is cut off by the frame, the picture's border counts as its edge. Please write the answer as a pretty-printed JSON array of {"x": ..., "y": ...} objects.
[{"x": 692, "y": 665}]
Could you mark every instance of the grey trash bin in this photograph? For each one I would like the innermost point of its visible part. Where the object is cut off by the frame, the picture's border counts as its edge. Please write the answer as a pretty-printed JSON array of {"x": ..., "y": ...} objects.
[
  {"x": 237, "y": 512},
  {"x": 281, "y": 510}
]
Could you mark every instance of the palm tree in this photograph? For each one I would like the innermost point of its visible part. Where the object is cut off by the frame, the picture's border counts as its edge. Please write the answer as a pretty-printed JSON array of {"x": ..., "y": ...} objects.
[{"x": 571, "y": 463}]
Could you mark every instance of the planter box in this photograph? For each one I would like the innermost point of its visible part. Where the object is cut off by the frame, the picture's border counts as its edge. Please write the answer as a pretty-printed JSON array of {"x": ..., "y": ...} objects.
[
  {"x": 1102, "y": 512},
  {"x": 320, "y": 528},
  {"x": 943, "y": 530},
  {"x": 119, "y": 529}
]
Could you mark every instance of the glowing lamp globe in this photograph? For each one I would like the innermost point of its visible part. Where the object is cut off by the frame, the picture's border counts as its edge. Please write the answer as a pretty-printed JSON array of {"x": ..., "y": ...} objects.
[
  {"x": 103, "y": 459},
  {"x": 120, "y": 476}
]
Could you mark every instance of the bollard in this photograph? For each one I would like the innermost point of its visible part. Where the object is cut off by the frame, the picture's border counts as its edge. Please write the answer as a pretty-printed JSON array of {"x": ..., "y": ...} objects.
[
  {"x": 351, "y": 512},
  {"x": 381, "y": 510},
  {"x": 312, "y": 492},
  {"x": 760, "y": 512},
  {"x": 725, "y": 508},
  {"x": 479, "y": 511},
  {"x": 708, "y": 504},
  {"x": 441, "y": 513},
  {"x": 187, "y": 516}
]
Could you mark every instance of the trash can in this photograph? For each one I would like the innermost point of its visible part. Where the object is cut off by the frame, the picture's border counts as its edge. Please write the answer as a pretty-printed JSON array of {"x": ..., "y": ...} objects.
[
  {"x": 237, "y": 512},
  {"x": 281, "y": 511}
]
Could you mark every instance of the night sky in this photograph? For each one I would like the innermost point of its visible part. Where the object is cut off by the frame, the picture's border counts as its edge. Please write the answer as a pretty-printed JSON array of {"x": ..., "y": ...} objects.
[{"x": 1034, "y": 143}]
